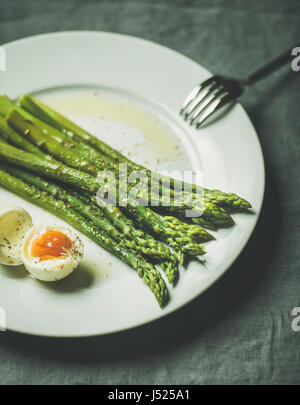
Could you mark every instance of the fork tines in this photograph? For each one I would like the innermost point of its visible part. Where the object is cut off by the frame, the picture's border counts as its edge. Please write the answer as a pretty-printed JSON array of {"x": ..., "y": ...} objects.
[{"x": 203, "y": 101}]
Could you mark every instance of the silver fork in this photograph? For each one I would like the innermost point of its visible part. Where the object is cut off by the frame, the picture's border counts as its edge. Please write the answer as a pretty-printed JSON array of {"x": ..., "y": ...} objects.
[{"x": 217, "y": 91}]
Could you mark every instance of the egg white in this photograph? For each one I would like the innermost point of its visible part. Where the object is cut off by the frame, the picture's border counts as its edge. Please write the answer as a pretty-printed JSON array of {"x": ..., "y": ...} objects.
[
  {"x": 15, "y": 222},
  {"x": 52, "y": 269}
]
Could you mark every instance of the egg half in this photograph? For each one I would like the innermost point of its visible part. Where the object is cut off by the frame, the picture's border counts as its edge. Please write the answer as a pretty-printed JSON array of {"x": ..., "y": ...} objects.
[
  {"x": 51, "y": 253},
  {"x": 15, "y": 222}
]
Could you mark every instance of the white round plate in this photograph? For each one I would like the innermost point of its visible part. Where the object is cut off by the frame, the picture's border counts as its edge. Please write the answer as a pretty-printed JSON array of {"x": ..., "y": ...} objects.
[{"x": 68, "y": 68}]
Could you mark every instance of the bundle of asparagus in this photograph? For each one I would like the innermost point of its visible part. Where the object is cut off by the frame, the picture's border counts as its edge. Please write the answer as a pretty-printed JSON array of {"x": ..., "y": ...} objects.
[{"x": 62, "y": 164}]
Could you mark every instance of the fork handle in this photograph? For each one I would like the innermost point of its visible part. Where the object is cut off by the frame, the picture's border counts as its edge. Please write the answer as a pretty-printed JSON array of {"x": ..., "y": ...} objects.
[{"x": 271, "y": 66}]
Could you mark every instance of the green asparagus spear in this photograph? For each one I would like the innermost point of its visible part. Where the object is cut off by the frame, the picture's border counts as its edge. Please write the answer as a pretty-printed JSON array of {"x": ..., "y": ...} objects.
[
  {"x": 54, "y": 170},
  {"x": 178, "y": 241},
  {"x": 70, "y": 153},
  {"x": 124, "y": 224},
  {"x": 6, "y": 104},
  {"x": 13, "y": 137},
  {"x": 67, "y": 156},
  {"x": 77, "y": 154},
  {"x": 98, "y": 218},
  {"x": 60, "y": 122},
  {"x": 82, "y": 180},
  {"x": 82, "y": 151},
  {"x": 55, "y": 119},
  {"x": 91, "y": 212},
  {"x": 64, "y": 125},
  {"x": 149, "y": 243},
  {"x": 144, "y": 269},
  {"x": 194, "y": 232},
  {"x": 49, "y": 145},
  {"x": 145, "y": 245}
]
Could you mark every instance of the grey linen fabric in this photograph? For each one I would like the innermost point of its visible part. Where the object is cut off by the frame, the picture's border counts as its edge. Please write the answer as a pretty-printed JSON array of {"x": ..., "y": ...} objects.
[{"x": 239, "y": 331}]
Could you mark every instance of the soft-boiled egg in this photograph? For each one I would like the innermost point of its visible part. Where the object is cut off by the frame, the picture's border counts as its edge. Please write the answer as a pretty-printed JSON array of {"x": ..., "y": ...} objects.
[
  {"x": 51, "y": 253},
  {"x": 14, "y": 224}
]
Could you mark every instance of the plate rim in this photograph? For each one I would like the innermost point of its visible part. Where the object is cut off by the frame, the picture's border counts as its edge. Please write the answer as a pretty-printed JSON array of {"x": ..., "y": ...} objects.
[{"x": 234, "y": 256}]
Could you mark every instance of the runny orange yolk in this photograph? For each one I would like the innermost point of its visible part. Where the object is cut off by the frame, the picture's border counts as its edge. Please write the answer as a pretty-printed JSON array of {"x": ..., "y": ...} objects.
[{"x": 50, "y": 245}]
